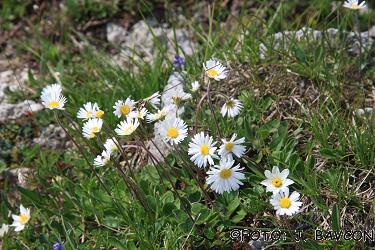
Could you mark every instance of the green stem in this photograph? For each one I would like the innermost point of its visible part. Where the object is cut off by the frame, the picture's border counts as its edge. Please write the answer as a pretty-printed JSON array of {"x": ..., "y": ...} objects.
[{"x": 90, "y": 165}]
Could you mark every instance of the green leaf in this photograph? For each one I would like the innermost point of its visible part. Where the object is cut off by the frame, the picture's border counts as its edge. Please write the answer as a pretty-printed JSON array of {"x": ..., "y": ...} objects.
[
  {"x": 110, "y": 221},
  {"x": 180, "y": 215},
  {"x": 209, "y": 233},
  {"x": 239, "y": 216},
  {"x": 195, "y": 197},
  {"x": 153, "y": 203},
  {"x": 30, "y": 195},
  {"x": 268, "y": 128},
  {"x": 144, "y": 186},
  {"x": 335, "y": 218},
  {"x": 310, "y": 245},
  {"x": 203, "y": 217},
  {"x": 167, "y": 197},
  {"x": 318, "y": 52},
  {"x": 197, "y": 207},
  {"x": 168, "y": 209},
  {"x": 331, "y": 153},
  {"x": 299, "y": 54},
  {"x": 232, "y": 207}
]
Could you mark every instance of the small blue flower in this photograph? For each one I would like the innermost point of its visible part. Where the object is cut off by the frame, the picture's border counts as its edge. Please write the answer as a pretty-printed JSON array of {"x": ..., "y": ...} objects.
[
  {"x": 58, "y": 246},
  {"x": 178, "y": 61}
]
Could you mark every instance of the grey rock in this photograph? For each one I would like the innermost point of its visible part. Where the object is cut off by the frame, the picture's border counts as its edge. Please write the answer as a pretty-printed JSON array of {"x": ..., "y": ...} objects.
[
  {"x": 53, "y": 137},
  {"x": 13, "y": 111},
  {"x": 9, "y": 82},
  {"x": 365, "y": 111},
  {"x": 19, "y": 176},
  {"x": 143, "y": 42},
  {"x": 257, "y": 244},
  {"x": 115, "y": 33},
  {"x": 282, "y": 40},
  {"x": 175, "y": 82}
]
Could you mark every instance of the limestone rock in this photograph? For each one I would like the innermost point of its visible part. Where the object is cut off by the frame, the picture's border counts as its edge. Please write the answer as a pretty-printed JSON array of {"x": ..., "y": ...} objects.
[
  {"x": 53, "y": 137},
  {"x": 115, "y": 33},
  {"x": 9, "y": 82},
  {"x": 143, "y": 42},
  {"x": 175, "y": 82},
  {"x": 14, "y": 111},
  {"x": 282, "y": 40}
]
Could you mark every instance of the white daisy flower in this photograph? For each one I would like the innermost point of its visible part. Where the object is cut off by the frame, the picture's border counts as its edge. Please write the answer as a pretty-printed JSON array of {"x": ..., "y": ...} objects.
[
  {"x": 355, "y": 4},
  {"x": 139, "y": 114},
  {"x": 214, "y": 69},
  {"x": 173, "y": 130},
  {"x": 175, "y": 96},
  {"x": 52, "y": 98},
  {"x": 276, "y": 181},
  {"x": 19, "y": 221},
  {"x": 110, "y": 145},
  {"x": 231, "y": 108},
  {"x": 92, "y": 127},
  {"x": 127, "y": 127},
  {"x": 285, "y": 204},
  {"x": 4, "y": 230},
  {"x": 195, "y": 86},
  {"x": 225, "y": 178},
  {"x": 90, "y": 110},
  {"x": 53, "y": 88},
  {"x": 202, "y": 150},
  {"x": 154, "y": 99},
  {"x": 232, "y": 146},
  {"x": 159, "y": 115},
  {"x": 102, "y": 159},
  {"x": 123, "y": 108}
]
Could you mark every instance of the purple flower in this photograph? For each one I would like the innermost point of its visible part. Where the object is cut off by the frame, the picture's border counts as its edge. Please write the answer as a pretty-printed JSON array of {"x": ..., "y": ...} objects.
[
  {"x": 178, "y": 61},
  {"x": 58, "y": 246}
]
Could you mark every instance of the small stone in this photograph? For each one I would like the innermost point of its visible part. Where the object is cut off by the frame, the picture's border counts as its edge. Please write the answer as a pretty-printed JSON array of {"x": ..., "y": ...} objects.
[
  {"x": 13, "y": 111},
  {"x": 116, "y": 34},
  {"x": 365, "y": 111},
  {"x": 21, "y": 176},
  {"x": 53, "y": 137},
  {"x": 11, "y": 82}
]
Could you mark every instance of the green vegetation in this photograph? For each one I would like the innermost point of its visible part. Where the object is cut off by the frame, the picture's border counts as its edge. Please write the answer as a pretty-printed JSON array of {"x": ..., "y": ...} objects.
[{"x": 299, "y": 112}]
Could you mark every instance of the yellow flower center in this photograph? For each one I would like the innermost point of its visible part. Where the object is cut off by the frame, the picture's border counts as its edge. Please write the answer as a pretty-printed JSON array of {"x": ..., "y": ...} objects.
[
  {"x": 285, "y": 202},
  {"x": 161, "y": 115},
  {"x": 225, "y": 173},
  {"x": 229, "y": 147},
  {"x": 125, "y": 109},
  {"x": 230, "y": 104},
  {"x": 172, "y": 132},
  {"x": 129, "y": 130},
  {"x": 204, "y": 149},
  {"x": 91, "y": 134},
  {"x": 176, "y": 100},
  {"x": 23, "y": 219},
  {"x": 99, "y": 114},
  {"x": 95, "y": 129},
  {"x": 354, "y": 6},
  {"x": 212, "y": 73},
  {"x": 53, "y": 104},
  {"x": 277, "y": 182},
  {"x": 88, "y": 114}
]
